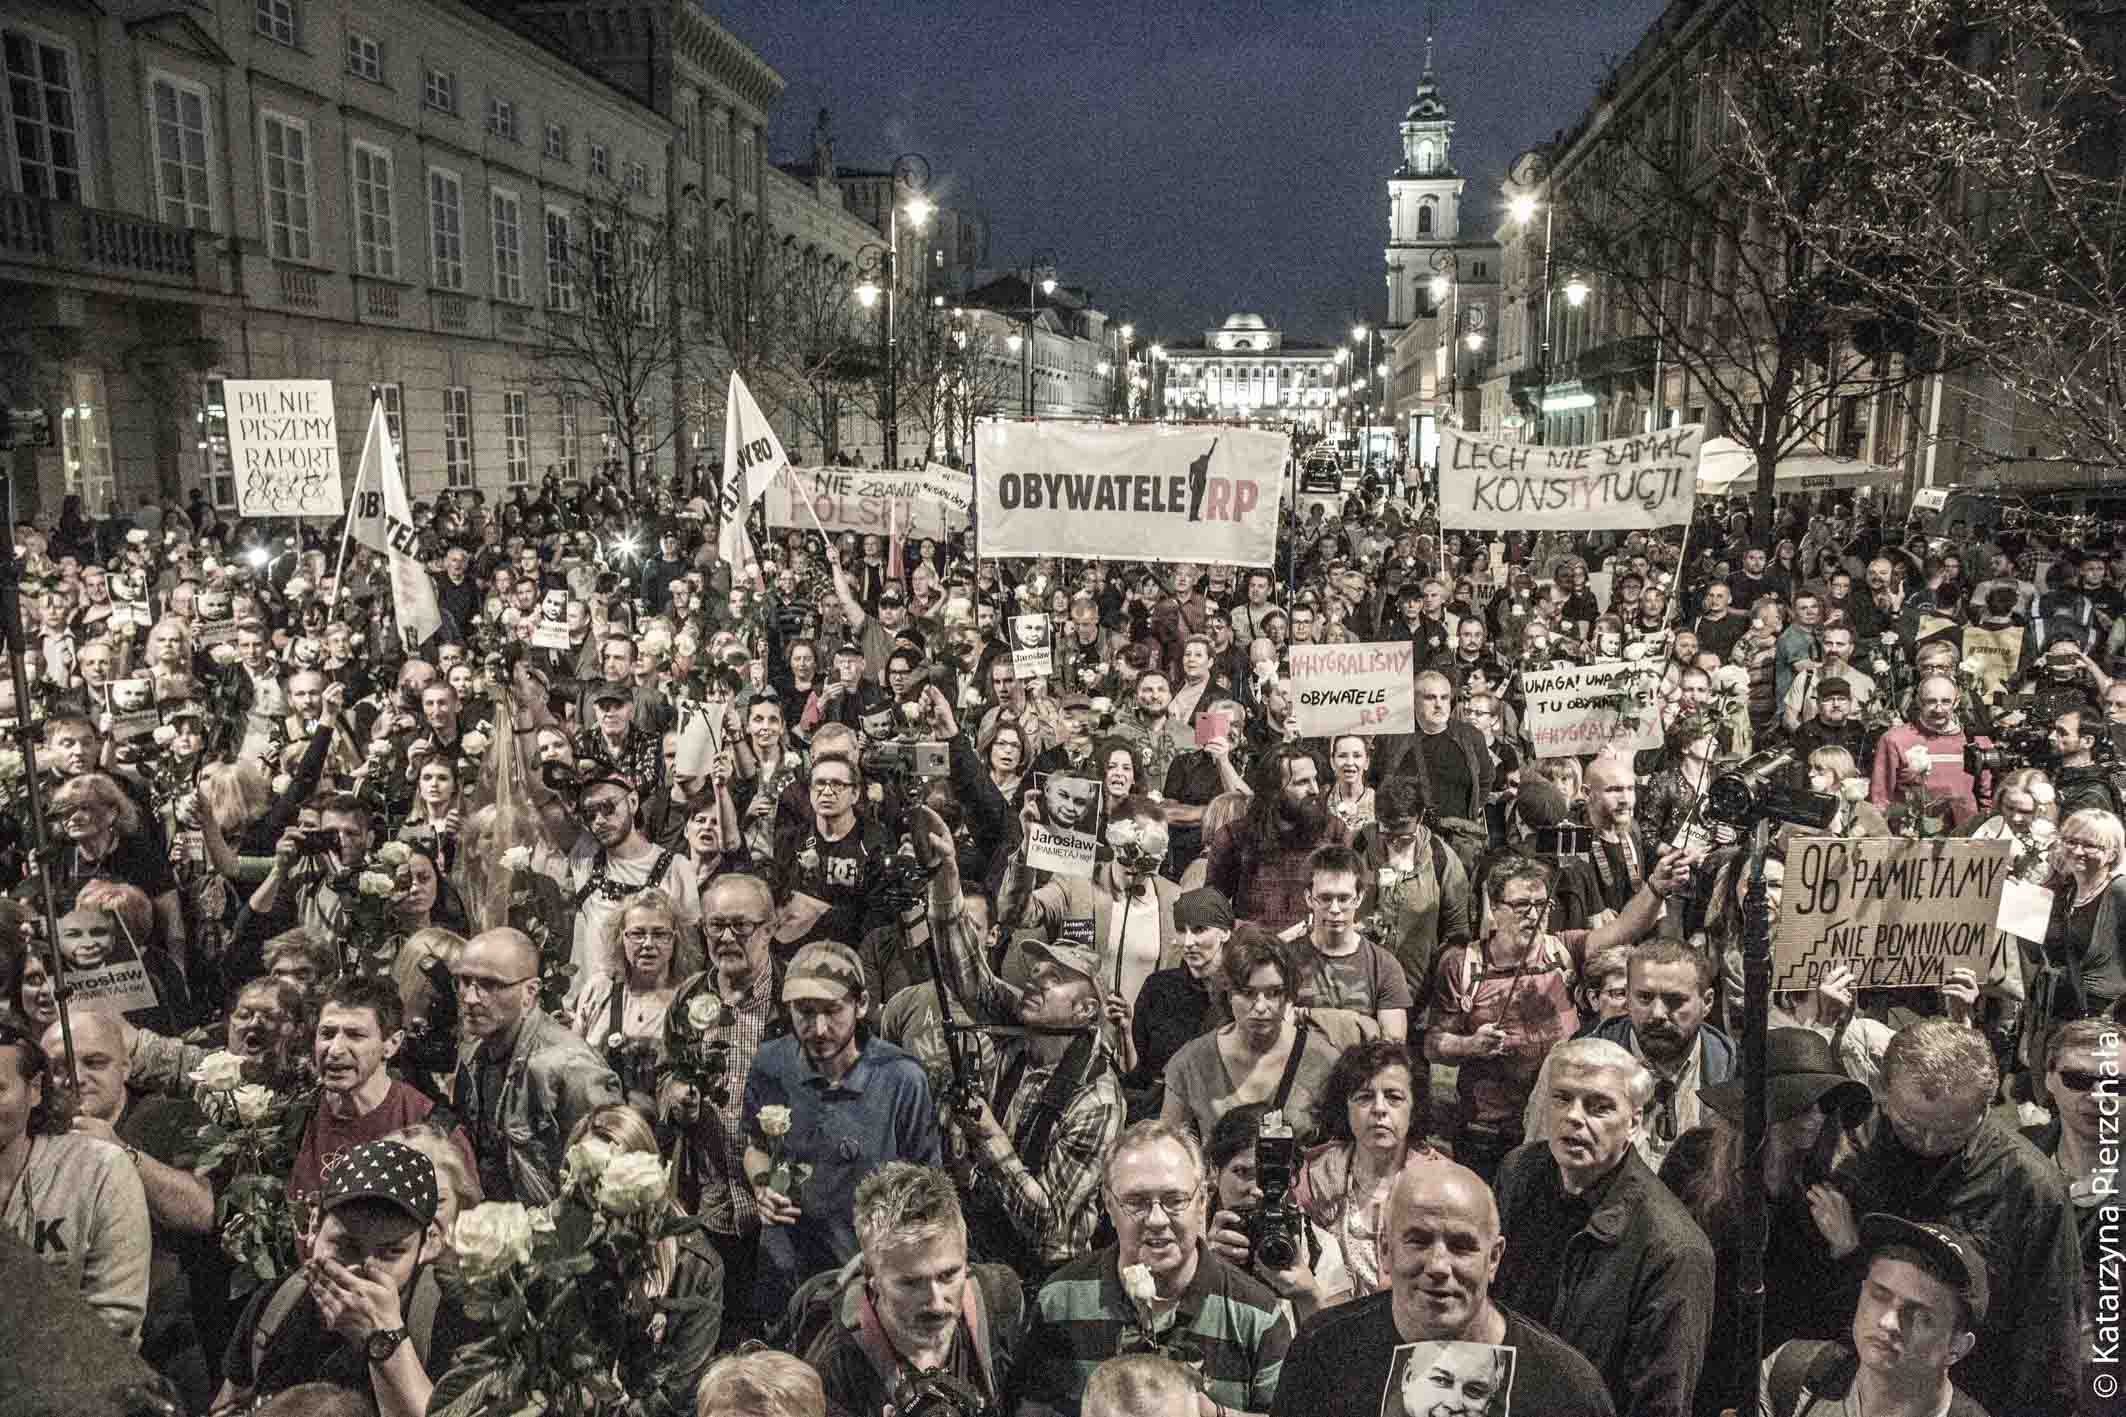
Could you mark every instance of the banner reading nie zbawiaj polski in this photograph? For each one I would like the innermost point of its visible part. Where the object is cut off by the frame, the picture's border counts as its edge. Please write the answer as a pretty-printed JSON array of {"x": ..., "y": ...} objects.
[
  {"x": 1647, "y": 481},
  {"x": 1108, "y": 493}
]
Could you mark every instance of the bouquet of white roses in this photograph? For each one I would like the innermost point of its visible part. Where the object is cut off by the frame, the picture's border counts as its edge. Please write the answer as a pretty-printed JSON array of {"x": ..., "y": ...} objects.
[{"x": 247, "y": 1137}]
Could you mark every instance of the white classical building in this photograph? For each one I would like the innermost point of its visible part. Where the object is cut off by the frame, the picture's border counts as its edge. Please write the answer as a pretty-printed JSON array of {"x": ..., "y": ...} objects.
[{"x": 1245, "y": 368}]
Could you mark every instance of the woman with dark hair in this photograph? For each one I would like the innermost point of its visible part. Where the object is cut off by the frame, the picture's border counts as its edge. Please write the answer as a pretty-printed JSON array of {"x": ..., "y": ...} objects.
[
  {"x": 1121, "y": 768},
  {"x": 1233, "y": 1164},
  {"x": 1267, "y": 1053},
  {"x": 1372, "y": 1120},
  {"x": 426, "y": 896},
  {"x": 989, "y": 779},
  {"x": 1813, "y": 1109}
]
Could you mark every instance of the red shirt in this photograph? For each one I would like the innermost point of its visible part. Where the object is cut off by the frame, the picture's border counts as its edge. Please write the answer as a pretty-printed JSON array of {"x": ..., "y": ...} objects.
[{"x": 330, "y": 1134}]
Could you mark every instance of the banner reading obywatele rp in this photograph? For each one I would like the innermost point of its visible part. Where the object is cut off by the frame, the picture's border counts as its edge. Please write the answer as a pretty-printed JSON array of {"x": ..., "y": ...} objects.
[
  {"x": 1129, "y": 493},
  {"x": 1651, "y": 480}
]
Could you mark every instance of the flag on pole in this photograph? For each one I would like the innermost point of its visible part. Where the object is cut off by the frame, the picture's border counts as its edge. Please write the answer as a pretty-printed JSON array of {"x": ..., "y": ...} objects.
[
  {"x": 753, "y": 457},
  {"x": 897, "y": 515},
  {"x": 382, "y": 520}
]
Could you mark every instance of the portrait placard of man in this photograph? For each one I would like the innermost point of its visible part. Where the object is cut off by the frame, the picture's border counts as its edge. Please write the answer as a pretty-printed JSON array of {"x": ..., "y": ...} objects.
[{"x": 1449, "y": 1379}]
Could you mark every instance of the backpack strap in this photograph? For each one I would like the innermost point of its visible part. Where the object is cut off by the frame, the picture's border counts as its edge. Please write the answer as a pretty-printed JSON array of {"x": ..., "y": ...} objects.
[
  {"x": 1805, "y": 1372},
  {"x": 272, "y": 1317},
  {"x": 1291, "y": 1067}
]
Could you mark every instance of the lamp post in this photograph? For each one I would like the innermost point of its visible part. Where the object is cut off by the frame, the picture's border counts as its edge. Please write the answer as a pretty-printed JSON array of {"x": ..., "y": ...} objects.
[
  {"x": 1523, "y": 208},
  {"x": 1129, "y": 334},
  {"x": 1044, "y": 260},
  {"x": 1158, "y": 390},
  {"x": 1447, "y": 285},
  {"x": 1364, "y": 338},
  {"x": 911, "y": 171}
]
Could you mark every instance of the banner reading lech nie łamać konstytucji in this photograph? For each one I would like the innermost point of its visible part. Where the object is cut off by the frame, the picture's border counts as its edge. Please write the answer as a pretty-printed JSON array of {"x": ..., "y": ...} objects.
[
  {"x": 1202, "y": 494},
  {"x": 1646, "y": 481}
]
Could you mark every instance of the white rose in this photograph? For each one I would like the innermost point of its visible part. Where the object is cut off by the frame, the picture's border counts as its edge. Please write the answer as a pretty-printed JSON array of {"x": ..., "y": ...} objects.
[
  {"x": 2044, "y": 794},
  {"x": 912, "y": 712},
  {"x": 394, "y": 853},
  {"x": 1971, "y": 667},
  {"x": 164, "y": 735},
  {"x": 1853, "y": 789},
  {"x": 1637, "y": 650},
  {"x": 586, "y": 1161},
  {"x": 253, "y": 1103},
  {"x": 1137, "y": 1282},
  {"x": 492, "y": 1236},
  {"x": 517, "y": 858},
  {"x": 790, "y": 761},
  {"x": 970, "y": 697},
  {"x": 2041, "y": 828},
  {"x": 281, "y": 783},
  {"x": 774, "y": 1121},
  {"x": 1889, "y": 637},
  {"x": 1918, "y": 761},
  {"x": 222, "y": 654},
  {"x": 220, "y": 1071},
  {"x": 296, "y": 588},
  {"x": 474, "y": 744},
  {"x": 1731, "y": 678},
  {"x": 138, "y": 536},
  {"x": 704, "y": 1012},
  {"x": 375, "y": 883},
  {"x": 633, "y": 1184},
  {"x": 1103, "y": 704}
]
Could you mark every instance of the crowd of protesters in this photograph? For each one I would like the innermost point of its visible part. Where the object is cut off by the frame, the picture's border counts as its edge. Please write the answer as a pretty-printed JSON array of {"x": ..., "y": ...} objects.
[{"x": 1362, "y": 1074}]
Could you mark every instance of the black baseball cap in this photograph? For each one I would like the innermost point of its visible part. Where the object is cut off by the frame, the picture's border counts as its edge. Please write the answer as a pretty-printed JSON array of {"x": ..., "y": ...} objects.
[
  {"x": 388, "y": 1172},
  {"x": 1952, "y": 1256},
  {"x": 613, "y": 690}
]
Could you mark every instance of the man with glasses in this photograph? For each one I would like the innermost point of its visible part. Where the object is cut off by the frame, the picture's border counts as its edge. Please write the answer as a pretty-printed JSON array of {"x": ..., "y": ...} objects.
[
  {"x": 733, "y": 1004},
  {"x": 611, "y": 860},
  {"x": 1233, "y": 1330},
  {"x": 827, "y": 869},
  {"x": 1345, "y": 970},
  {"x": 528, "y": 1079},
  {"x": 1935, "y": 1154},
  {"x": 2082, "y": 1086},
  {"x": 1597, "y": 1249}
]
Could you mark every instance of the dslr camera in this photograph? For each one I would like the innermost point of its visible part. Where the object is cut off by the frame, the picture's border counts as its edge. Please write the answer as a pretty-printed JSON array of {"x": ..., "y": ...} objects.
[{"x": 1276, "y": 1228}]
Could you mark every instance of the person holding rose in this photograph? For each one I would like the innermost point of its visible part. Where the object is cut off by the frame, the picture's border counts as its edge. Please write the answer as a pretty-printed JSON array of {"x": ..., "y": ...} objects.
[{"x": 621, "y": 1008}]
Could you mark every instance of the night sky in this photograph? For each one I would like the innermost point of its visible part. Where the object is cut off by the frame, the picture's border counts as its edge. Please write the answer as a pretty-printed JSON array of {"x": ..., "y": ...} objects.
[{"x": 1191, "y": 159}]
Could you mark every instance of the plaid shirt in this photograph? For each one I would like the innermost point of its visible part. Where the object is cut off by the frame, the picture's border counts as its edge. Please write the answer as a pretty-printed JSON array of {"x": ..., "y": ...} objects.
[
  {"x": 1056, "y": 1208},
  {"x": 1274, "y": 893},
  {"x": 711, "y": 1161}
]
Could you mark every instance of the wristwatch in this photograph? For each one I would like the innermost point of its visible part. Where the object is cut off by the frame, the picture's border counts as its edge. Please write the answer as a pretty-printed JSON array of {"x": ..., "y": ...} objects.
[{"x": 385, "y": 1342}]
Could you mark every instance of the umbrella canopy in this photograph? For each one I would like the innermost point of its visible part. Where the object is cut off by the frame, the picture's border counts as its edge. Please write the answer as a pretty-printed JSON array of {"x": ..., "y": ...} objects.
[{"x": 1724, "y": 465}]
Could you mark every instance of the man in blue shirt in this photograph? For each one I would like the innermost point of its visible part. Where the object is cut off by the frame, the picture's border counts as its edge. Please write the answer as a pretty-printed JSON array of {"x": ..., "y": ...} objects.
[{"x": 847, "y": 1102}]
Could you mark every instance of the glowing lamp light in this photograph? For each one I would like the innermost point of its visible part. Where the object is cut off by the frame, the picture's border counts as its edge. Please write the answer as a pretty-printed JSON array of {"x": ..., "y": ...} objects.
[
  {"x": 1522, "y": 208},
  {"x": 919, "y": 210},
  {"x": 256, "y": 556},
  {"x": 1439, "y": 287},
  {"x": 1013, "y": 343},
  {"x": 1576, "y": 291},
  {"x": 867, "y": 294},
  {"x": 1048, "y": 285}
]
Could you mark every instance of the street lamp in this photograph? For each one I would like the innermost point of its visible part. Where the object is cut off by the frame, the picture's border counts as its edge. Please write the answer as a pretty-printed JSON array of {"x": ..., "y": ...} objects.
[
  {"x": 1446, "y": 284},
  {"x": 1044, "y": 260},
  {"x": 1523, "y": 206},
  {"x": 1158, "y": 391},
  {"x": 1365, "y": 337},
  {"x": 877, "y": 268}
]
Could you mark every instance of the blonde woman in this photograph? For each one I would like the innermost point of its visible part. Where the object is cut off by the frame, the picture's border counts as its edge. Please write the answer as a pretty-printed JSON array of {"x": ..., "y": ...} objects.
[
  {"x": 686, "y": 1269},
  {"x": 457, "y": 1183},
  {"x": 2079, "y": 971},
  {"x": 622, "y": 1005},
  {"x": 1831, "y": 770}
]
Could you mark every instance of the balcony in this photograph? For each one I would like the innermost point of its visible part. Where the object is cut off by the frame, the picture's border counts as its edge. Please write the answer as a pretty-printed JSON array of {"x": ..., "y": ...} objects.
[
  {"x": 62, "y": 236},
  {"x": 1612, "y": 363}
]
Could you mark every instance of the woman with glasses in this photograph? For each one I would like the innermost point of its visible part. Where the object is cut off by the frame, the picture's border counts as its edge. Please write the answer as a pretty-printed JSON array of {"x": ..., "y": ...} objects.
[
  {"x": 2079, "y": 971},
  {"x": 2081, "y": 1085},
  {"x": 1266, "y": 1054},
  {"x": 622, "y": 1006},
  {"x": 107, "y": 842}
]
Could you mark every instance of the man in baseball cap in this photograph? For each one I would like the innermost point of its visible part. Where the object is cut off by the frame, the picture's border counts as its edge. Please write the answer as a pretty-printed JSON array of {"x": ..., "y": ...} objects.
[
  {"x": 1921, "y": 1304},
  {"x": 362, "y": 1313}
]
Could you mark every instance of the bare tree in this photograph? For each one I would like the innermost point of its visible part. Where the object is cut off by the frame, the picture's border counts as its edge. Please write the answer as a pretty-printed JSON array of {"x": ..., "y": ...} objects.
[
  {"x": 606, "y": 338},
  {"x": 1771, "y": 224}
]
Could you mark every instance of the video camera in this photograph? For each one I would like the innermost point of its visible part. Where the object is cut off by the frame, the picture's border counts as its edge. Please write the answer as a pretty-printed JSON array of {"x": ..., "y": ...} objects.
[
  {"x": 893, "y": 759},
  {"x": 1275, "y": 1228}
]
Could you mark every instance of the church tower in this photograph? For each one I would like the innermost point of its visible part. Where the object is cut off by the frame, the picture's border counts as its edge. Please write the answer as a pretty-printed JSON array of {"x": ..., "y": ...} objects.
[{"x": 1424, "y": 196}]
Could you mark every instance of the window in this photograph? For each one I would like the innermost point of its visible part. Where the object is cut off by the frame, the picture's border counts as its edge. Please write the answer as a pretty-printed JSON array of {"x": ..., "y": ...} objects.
[
  {"x": 395, "y": 420},
  {"x": 506, "y": 217},
  {"x": 1424, "y": 217},
  {"x": 85, "y": 439},
  {"x": 747, "y": 177},
  {"x": 686, "y": 125},
  {"x": 287, "y": 187},
  {"x": 502, "y": 118},
  {"x": 178, "y": 115},
  {"x": 275, "y": 19},
  {"x": 642, "y": 275},
  {"x": 560, "y": 279},
  {"x": 457, "y": 437},
  {"x": 719, "y": 144},
  {"x": 516, "y": 437},
  {"x": 556, "y": 142},
  {"x": 600, "y": 165},
  {"x": 638, "y": 177},
  {"x": 376, "y": 253},
  {"x": 602, "y": 251},
  {"x": 42, "y": 115},
  {"x": 365, "y": 57},
  {"x": 446, "y": 230},
  {"x": 439, "y": 90},
  {"x": 214, "y": 447},
  {"x": 571, "y": 467}
]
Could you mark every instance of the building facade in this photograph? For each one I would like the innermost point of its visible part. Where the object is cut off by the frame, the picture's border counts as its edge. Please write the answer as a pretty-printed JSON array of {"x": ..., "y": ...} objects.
[{"x": 1247, "y": 369}]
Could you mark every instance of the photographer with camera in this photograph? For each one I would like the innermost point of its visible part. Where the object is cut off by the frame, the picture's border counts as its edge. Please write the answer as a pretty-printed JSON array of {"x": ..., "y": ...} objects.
[
  {"x": 1038, "y": 1108},
  {"x": 1257, "y": 1224},
  {"x": 2082, "y": 768}
]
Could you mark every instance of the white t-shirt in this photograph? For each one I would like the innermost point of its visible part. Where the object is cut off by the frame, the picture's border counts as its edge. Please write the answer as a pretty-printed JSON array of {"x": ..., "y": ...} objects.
[{"x": 620, "y": 880}]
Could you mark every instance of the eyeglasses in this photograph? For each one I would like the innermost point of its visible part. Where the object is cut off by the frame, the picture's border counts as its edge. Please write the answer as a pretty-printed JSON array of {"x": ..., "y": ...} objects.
[
  {"x": 605, "y": 807},
  {"x": 832, "y": 785},
  {"x": 2077, "y": 1080},
  {"x": 1173, "y": 1203},
  {"x": 643, "y": 937},
  {"x": 1527, "y": 909},
  {"x": 739, "y": 926},
  {"x": 487, "y": 984},
  {"x": 2077, "y": 844}
]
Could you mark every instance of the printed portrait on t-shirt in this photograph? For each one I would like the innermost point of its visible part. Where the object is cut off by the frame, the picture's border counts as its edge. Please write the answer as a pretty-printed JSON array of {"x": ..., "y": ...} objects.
[{"x": 1449, "y": 1379}]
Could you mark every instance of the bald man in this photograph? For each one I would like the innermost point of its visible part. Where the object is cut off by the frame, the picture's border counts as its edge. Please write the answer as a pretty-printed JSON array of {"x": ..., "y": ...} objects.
[
  {"x": 1139, "y": 1385},
  {"x": 1440, "y": 1244},
  {"x": 529, "y": 1079}
]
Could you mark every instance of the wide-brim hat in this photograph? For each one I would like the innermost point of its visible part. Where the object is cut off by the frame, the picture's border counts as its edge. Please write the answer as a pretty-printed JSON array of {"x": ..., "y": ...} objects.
[{"x": 1800, "y": 1071}]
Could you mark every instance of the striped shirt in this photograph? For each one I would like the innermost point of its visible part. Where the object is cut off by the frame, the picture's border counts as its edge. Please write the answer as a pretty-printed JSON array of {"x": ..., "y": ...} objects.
[{"x": 1228, "y": 1329}]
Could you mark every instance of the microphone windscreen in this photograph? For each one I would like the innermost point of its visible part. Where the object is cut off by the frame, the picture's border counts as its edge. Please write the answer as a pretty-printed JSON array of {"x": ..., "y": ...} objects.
[{"x": 1540, "y": 804}]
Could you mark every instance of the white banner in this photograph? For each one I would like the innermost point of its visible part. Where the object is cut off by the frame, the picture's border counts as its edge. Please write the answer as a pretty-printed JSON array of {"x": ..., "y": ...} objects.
[
  {"x": 753, "y": 458},
  {"x": 1584, "y": 708},
  {"x": 1899, "y": 914},
  {"x": 1129, "y": 493},
  {"x": 859, "y": 500},
  {"x": 1355, "y": 688},
  {"x": 284, "y": 444},
  {"x": 382, "y": 520},
  {"x": 1646, "y": 481},
  {"x": 950, "y": 489}
]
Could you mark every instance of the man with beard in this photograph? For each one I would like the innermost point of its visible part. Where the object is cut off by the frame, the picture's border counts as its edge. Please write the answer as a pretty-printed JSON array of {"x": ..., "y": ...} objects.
[
  {"x": 1936, "y": 1154},
  {"x": 1130, "y": 905},
  {"x": 910, "y": 1307},
  {"x": 1259, "y": 863},
  {"x": 1597, "y": 1248},
  {"x": 1800, "y": 704},
  {"x": 1453, "y": 762},
  {"x": 1147, "y": 726},
  {"x": 528, "y": 1079},
  {"x": 1620, "y": 854},
  {"x": 1669, "y": 992},
  {"x": 610, "y": 860},
  {"x": 1935, "y": 735},
  {"x": 1440, "y": 1247}
]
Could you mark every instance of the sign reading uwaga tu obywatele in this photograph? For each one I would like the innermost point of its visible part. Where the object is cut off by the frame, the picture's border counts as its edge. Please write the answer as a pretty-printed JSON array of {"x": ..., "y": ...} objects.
[
  {"x": 1900, "y": 914},
  {"x": 1354, "y": 688},
  {"x": 284, "y": 441},
  {"x": 1626, "y": 482},
  {"x": 1132, "y": 493}
]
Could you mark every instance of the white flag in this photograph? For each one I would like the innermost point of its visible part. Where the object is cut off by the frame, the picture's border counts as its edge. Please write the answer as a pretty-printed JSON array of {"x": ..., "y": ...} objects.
[
  {"x": 753, "y": 457},
  {"x": 382, "y": 520}
]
